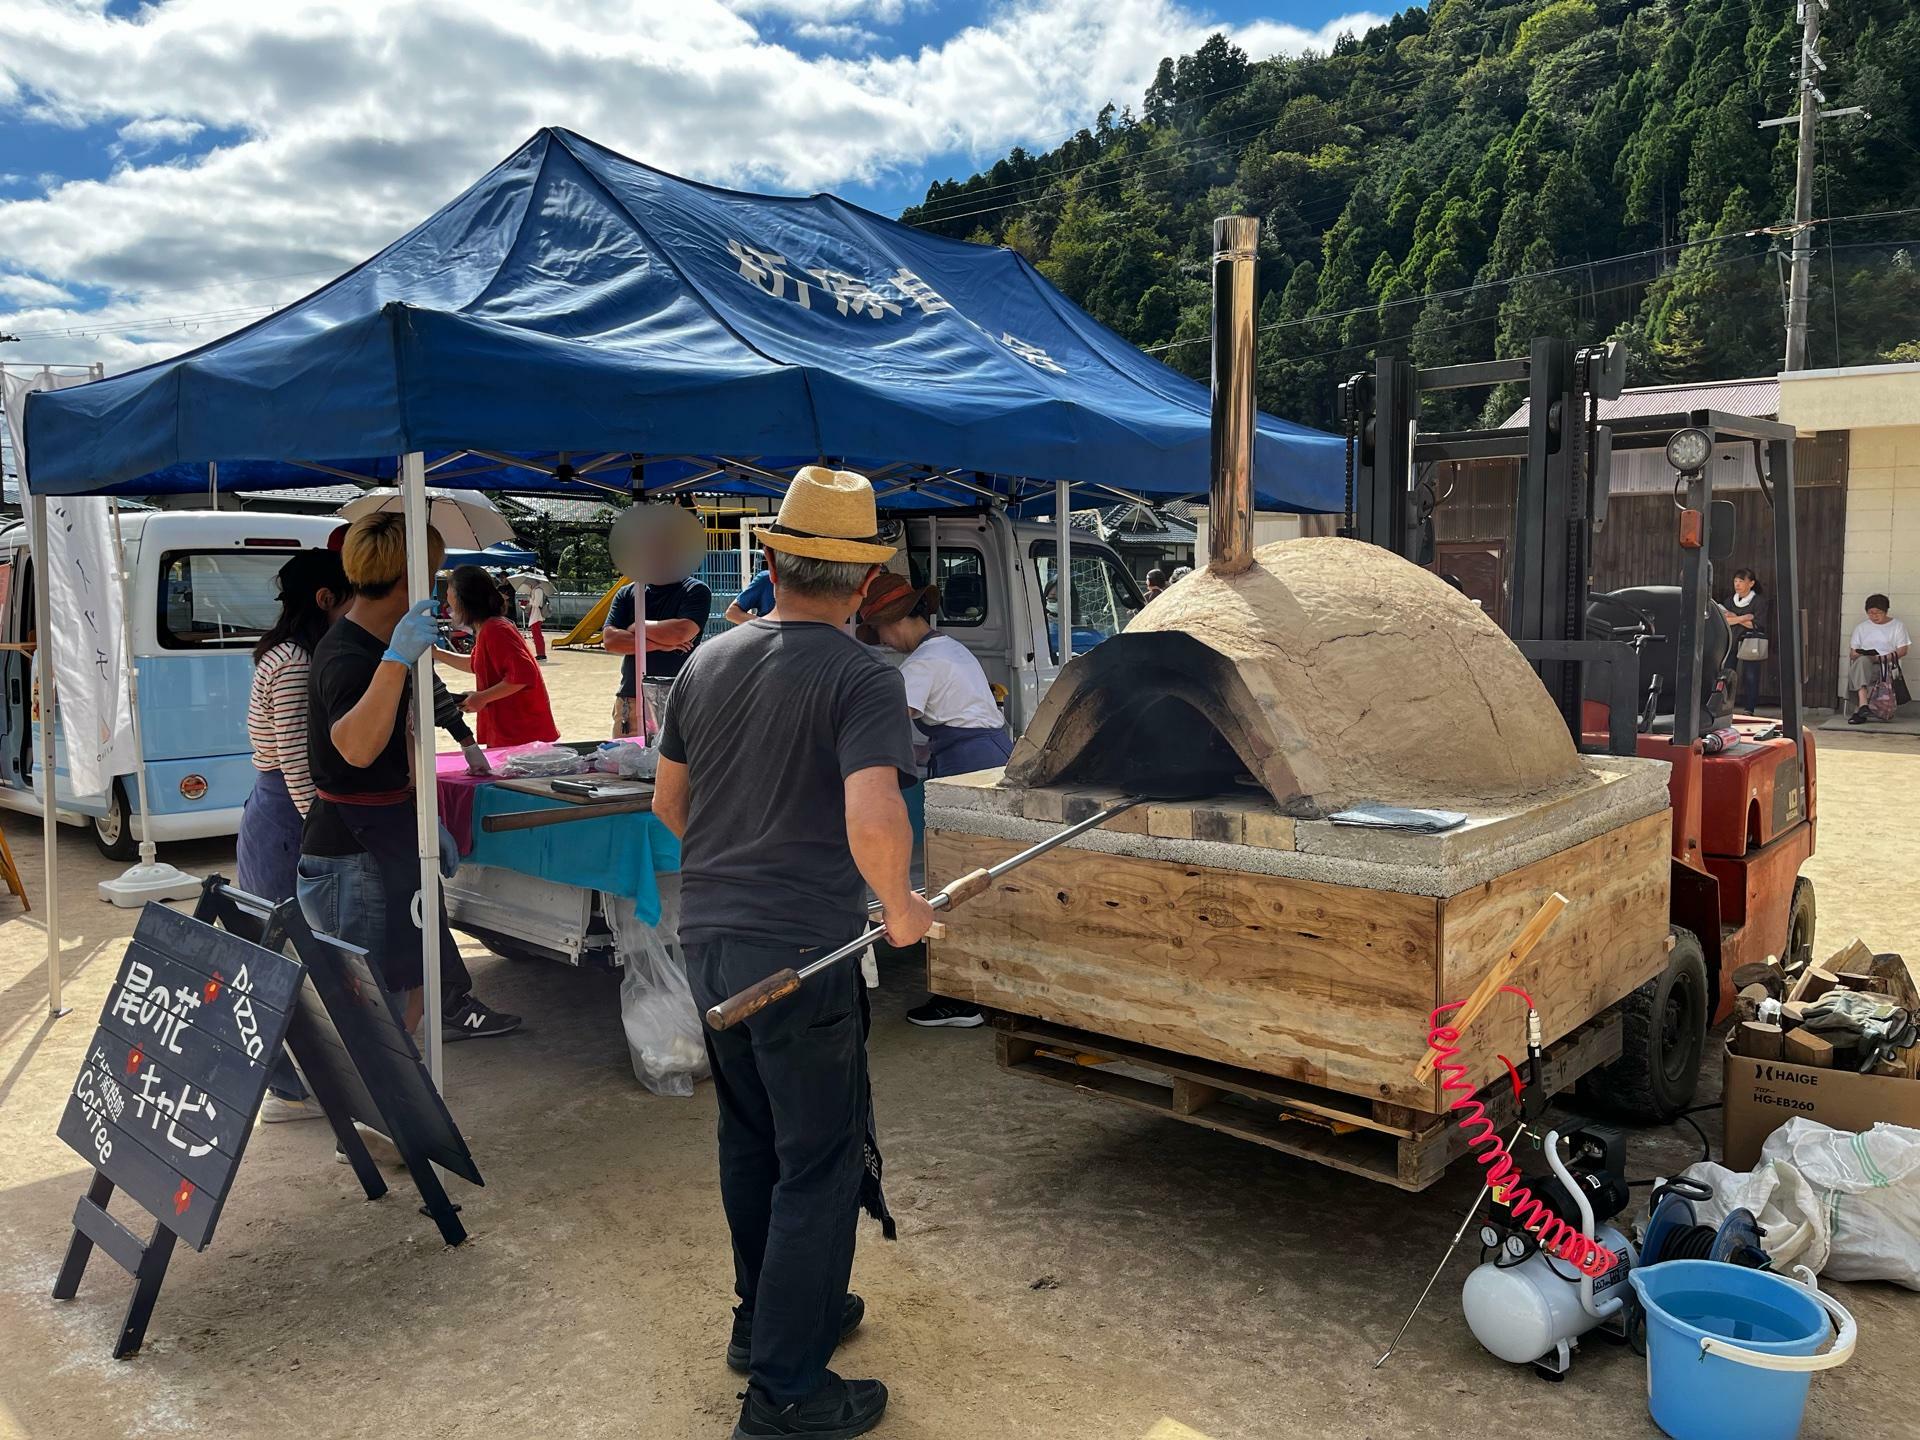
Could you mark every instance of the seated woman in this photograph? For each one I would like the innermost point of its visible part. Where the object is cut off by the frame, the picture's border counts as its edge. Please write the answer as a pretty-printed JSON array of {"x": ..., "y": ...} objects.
[
  {"x": 947, "y": 692},
  {"x": 1878, "y": 644},
  {"x": 950, "y": 701},
  {"x": 509, "y": 699}
]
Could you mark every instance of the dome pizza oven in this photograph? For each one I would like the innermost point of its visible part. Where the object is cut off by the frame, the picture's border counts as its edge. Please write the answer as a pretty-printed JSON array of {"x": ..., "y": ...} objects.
[{"x": 1324, "y": 671}]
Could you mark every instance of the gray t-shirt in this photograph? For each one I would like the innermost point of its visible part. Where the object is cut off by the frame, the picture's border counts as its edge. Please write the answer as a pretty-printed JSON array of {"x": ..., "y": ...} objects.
[{"x": 769, "y": 720}]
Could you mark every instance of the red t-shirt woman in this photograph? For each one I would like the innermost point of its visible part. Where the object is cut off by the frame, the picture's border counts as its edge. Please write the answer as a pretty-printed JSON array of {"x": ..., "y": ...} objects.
[{"x": 509, "y": 699}]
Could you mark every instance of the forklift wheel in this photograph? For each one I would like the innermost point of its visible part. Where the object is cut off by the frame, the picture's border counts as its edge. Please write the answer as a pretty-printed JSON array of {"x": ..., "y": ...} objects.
[
  {"x": 1799, "y": 953},
  {"x": 1663, "y": 1035}
]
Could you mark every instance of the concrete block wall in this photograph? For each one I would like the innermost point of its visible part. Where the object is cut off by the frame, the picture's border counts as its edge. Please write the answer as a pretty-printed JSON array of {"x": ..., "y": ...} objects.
[{"x": 1883, "y": 523}]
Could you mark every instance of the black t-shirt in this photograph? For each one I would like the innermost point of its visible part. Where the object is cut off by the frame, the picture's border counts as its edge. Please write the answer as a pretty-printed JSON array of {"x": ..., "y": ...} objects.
[
  {"x": 769, "y": 720},
  {"x": 683, "y": 600},
  {"x": 343, "y": 666}
]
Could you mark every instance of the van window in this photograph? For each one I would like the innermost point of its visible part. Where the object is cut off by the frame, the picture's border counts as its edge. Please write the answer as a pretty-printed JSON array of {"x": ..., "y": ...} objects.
[
  {"x": 962, "y": 581},
  {"x": 1105, "y": 596},
  {"x": 217, "y": 599}
]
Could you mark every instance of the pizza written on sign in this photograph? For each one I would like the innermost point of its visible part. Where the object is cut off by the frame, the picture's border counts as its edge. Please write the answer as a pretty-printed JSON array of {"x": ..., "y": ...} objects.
[{"x": 176, "y": 1069}]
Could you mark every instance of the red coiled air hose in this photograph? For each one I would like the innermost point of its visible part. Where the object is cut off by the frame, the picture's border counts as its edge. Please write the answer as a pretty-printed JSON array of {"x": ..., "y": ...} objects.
[{"x": 1503, "y": 1175}]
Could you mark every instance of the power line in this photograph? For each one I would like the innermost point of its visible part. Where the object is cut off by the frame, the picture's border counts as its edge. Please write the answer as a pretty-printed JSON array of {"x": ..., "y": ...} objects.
[
  {"x": 1196, "y": 142},
  {"x": 1485, "y": 319},
  {"x": 1457, "y": 291},
  {"x": 1259, "y": 73}
]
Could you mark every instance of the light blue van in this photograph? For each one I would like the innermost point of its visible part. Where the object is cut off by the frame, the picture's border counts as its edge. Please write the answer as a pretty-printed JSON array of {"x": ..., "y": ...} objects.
[{"x": 203, "y": 591}]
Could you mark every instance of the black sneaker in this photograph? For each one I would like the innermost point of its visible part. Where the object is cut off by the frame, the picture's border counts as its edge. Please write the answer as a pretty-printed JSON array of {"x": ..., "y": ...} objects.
[
  {"x": 958, "y": 1014},
  {"x": 1859, "y": 717},
  {"x": 471, "y": 1018},
  {"x": 740, "y": 1343},
  {"x": 838, "y": 1410}
]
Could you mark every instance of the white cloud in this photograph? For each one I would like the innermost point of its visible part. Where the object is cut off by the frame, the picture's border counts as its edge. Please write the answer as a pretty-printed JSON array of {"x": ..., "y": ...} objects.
[
  {"x": 31, "y": 290},
  {"x": 355, "y": 121},
  {"x": 842, "y": 33},
  {"x": 140, "y": 135},
  {"x": 884, "y": 12}
]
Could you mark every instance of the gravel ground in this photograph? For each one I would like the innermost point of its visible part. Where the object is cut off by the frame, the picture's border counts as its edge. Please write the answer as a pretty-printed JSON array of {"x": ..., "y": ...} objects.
[{"x": 1064, "y": 1267}]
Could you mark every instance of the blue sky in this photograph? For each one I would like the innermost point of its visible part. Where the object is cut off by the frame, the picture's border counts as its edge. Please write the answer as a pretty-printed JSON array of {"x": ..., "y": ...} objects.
[{"x": 168, "y": 170}]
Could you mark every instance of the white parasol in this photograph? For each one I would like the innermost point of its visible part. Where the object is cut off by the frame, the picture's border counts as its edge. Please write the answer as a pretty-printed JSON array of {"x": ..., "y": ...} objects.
[{"x": 466, "y": 519}]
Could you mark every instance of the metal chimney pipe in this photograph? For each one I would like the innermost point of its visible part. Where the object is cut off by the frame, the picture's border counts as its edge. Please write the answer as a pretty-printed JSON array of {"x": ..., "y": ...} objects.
[{"x": 1236, "y": 238}]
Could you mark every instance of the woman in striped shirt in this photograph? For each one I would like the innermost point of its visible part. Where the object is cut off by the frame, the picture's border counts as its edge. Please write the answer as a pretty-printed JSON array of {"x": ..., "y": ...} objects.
[{"x": 313, "y": 593}]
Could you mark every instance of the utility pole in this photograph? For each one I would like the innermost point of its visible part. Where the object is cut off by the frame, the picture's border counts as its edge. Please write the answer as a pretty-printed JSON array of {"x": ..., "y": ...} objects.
[{"x": 1807, "y": 119}]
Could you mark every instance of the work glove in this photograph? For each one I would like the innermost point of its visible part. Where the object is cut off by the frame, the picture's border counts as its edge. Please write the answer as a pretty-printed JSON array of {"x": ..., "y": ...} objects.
[
  {"x": 414, "y": 635},
  {"x": 476, "y": 760}
]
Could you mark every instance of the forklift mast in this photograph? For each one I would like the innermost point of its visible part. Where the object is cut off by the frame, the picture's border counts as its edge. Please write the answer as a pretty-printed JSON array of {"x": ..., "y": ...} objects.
[{"x": 1565, "y": 457}]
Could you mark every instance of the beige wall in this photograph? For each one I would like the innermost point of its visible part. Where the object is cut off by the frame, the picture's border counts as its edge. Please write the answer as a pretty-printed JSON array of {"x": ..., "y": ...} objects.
[{"x": 1879, "y": 407}]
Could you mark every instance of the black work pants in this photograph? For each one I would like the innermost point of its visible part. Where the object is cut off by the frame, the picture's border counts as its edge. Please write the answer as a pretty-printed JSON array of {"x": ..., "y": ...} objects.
[{"x": 792, "y": 1087}]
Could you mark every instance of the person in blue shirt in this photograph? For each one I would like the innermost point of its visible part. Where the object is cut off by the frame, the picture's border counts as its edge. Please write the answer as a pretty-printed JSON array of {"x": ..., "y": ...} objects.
[{"x": 755, "y": 602}]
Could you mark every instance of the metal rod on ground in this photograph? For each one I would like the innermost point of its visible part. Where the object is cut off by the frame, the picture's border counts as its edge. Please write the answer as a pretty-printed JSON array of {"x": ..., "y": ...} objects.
[
  {"x": 782, "y": 983},
  {"x": 1454, "y": 1245}
]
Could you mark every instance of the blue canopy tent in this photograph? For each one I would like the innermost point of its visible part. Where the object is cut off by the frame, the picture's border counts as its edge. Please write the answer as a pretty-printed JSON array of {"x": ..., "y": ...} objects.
[
  {"x": 575, "y": 314},
  {"x": 579, "y": 322}
]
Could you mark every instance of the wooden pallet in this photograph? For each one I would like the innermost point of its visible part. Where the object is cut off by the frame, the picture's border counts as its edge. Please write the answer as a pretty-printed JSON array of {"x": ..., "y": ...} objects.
[{"x": 1404, "y": 1148}]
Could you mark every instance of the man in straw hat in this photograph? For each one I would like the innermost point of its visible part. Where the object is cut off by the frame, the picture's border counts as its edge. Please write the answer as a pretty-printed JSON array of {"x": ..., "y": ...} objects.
[{"x": 781, "y": 767}]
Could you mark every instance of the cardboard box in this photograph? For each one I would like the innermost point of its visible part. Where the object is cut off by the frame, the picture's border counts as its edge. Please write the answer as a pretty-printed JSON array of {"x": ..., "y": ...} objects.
[{"x": 1762, "y": 1095}]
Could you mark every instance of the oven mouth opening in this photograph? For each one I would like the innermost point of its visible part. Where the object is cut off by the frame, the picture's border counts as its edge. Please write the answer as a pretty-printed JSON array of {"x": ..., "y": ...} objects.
[
  {"x": 1155, "y": 714},
  {"x": 1162, "y": 747}
]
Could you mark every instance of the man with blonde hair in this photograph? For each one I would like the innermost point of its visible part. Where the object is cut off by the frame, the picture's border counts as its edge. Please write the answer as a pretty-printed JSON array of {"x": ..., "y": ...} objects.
[{"x": 359, "y": 864}]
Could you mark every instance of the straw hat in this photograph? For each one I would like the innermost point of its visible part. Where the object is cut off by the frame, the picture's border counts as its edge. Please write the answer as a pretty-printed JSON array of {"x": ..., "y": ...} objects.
[
  {"x": 828, "y": 515},
  {"x": 891, "y": 597}
]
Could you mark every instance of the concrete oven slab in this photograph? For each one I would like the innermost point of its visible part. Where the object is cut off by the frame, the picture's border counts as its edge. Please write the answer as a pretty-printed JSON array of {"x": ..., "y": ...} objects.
[{"x": 1250, "y": 833}]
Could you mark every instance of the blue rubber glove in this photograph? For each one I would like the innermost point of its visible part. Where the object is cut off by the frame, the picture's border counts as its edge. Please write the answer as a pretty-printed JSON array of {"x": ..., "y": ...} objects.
[{"x": 415, "y": 633}]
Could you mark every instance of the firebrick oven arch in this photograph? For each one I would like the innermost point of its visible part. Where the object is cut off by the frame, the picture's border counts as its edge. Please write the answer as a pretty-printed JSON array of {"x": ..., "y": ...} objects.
[{"x": 1329, "y": 673}]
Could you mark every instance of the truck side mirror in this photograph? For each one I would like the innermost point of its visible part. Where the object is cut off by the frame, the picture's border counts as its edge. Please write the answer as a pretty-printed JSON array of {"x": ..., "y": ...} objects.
[{"x": 1721, "y": 532}]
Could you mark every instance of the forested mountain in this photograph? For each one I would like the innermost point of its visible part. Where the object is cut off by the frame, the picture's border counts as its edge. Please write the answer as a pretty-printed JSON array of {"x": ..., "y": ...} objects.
[{"x": 1410, "y": 179}]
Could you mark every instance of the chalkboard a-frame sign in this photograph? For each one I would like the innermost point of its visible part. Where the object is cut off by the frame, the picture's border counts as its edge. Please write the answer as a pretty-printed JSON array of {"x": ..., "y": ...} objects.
[{"x": 175, "y": 1072}]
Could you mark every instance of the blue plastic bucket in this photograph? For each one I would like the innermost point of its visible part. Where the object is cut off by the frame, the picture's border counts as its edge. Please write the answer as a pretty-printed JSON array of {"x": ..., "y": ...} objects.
[{"x": 1730, "y": 1351}]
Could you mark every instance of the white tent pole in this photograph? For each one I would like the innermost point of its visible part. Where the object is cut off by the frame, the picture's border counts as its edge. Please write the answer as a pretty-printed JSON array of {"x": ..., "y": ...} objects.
[
  {"x": 149, "y": 879},
  {"x": 43, "y": 680},
  {"x": 933, "y": 564},
  {"x": 413, "y": 496},
  {"x": 1063, "y": 583}
]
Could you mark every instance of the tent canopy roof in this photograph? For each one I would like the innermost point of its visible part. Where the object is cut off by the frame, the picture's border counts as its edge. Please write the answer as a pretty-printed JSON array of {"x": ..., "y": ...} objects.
[{"x": 576, "y": 313}]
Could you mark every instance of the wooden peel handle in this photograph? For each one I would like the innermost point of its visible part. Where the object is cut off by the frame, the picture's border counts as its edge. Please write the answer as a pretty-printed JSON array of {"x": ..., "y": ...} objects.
[
  {"x": 958, "y": 892},
  {"x": 1503, "y": 971},
  {"x": 753, "y": 999}
]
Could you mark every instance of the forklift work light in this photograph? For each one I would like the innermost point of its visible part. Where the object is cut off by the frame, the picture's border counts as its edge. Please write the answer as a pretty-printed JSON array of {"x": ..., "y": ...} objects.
[{"x": 1688, "y": 450}]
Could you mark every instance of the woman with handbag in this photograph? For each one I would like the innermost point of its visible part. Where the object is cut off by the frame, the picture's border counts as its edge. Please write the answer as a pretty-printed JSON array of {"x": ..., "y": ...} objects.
[{"x": 1747, "y": 616}]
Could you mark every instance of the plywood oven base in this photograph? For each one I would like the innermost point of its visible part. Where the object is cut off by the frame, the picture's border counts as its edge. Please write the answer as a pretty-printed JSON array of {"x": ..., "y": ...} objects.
[{"x": 1306, "y": 980}]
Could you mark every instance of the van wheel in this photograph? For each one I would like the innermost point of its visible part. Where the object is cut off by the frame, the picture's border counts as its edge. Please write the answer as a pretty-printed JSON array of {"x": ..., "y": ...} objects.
[
  {"x": 1663, "y": 1035},
  {"x": 1799, "y": 953},
  {"x": 113, "y": 831}
]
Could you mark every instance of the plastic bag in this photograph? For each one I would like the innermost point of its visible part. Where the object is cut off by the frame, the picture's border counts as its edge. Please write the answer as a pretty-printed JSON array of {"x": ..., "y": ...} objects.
[
  {"x": 1869, "y": 1188},
  {"x": 538, "y": 760},
  {"x": 1792, "y": 1216},
  {"x": 626, "y": 758},
  {"x": 656, "y": 1004}
]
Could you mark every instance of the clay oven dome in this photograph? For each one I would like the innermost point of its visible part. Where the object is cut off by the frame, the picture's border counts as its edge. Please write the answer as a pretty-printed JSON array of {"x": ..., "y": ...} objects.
[{"x": 1332, "y": 671}]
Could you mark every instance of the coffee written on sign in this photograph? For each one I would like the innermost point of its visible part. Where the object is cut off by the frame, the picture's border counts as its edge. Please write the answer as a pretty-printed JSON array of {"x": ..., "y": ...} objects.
[{"x": 166, "y": 1098}]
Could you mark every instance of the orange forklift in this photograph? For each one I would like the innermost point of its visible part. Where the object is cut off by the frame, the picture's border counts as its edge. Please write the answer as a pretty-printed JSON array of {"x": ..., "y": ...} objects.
[{"x": 1647, "y": 670}]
